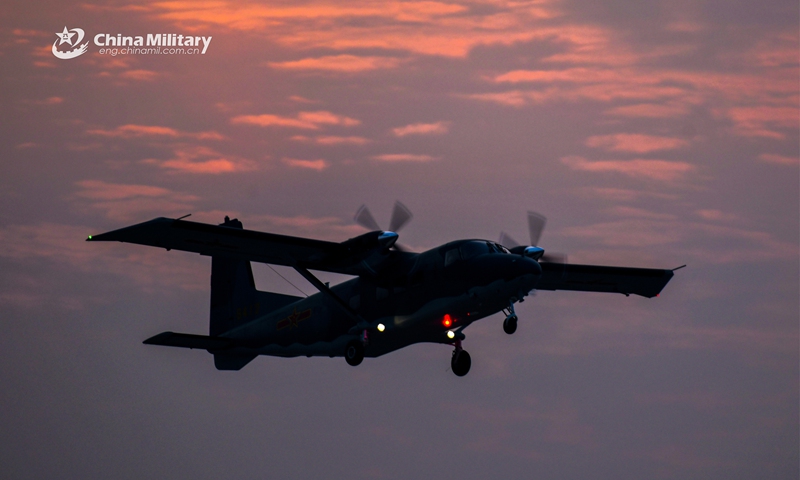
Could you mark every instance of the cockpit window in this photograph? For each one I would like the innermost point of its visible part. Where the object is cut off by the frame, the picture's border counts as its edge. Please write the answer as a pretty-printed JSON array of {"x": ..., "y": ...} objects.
[
  {"x": 451, "y": 256},
  {"x": 500, "y": 248},
  {"x": 473, "y": 249}
]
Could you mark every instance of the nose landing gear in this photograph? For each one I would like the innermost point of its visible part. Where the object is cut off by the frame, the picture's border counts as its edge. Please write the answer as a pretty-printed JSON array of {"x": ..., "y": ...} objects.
[
  {"x": 510, "y": 323},
  {"x": 460, "y": 361}
]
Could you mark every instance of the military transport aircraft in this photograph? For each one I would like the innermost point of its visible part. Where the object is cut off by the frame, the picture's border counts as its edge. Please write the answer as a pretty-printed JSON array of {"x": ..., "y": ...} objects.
[{"x": 398, "y": 297}]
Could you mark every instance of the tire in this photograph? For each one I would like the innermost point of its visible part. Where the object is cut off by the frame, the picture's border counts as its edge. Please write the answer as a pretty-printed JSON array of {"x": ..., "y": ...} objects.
[
  {"x": 460, "y": 363},
  {"x": 354, "y": 353},
  {"x": 510, "y": 324}
]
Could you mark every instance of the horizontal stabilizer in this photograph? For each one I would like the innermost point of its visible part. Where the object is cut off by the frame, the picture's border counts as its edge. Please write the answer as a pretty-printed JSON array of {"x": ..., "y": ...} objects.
[
  {"x": 186, "y": 340},
  {"x": 647, "y": 282}
]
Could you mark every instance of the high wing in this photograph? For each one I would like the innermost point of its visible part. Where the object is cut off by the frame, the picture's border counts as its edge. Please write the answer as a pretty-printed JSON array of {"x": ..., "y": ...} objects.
[
  {"x": 647, "y": 282},
  {"x": 357, "y": 256}
]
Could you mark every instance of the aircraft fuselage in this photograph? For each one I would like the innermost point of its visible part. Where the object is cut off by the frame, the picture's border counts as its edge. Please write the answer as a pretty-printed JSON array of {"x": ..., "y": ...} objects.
[{"x": 411, "y": 308}]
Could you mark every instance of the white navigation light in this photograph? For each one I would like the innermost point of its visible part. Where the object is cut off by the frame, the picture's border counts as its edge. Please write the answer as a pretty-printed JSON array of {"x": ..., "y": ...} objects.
[
  {"x": 381, "y": 327},
  {"x": 451, "y": 335}
]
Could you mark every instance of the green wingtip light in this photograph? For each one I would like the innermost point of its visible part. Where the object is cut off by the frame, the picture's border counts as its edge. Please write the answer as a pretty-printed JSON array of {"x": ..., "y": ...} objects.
[{"x": 90, "y": 237}]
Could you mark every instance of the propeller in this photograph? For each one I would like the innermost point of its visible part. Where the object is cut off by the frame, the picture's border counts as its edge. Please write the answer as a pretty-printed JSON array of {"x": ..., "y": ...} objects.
[
  {"x": 536, "y": 223},
  {"x": 401, "y": 215}
]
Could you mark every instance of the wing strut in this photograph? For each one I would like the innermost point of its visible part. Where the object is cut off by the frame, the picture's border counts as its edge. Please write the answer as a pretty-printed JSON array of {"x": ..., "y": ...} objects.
[{"x": 327, "y": 291}]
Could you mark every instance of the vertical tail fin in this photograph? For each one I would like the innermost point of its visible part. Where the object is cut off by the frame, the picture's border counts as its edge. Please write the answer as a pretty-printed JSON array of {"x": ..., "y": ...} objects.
[{"x": 235, "y": 300}]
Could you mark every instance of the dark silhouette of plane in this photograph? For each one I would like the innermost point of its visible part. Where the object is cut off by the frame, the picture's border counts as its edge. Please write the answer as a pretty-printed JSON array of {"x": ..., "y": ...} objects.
[{"x": 398, "y": 297}]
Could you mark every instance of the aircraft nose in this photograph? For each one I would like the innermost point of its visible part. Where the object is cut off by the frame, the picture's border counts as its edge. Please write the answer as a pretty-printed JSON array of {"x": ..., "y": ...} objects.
[
  {"x": 523, "y": 266},
  {"x": 531, "y": 266}
]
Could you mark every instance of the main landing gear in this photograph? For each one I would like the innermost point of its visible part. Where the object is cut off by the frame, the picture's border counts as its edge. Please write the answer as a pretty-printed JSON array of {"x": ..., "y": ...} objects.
[
  {"x": 510, "y": 323},
  {"x": 460, "y": 362},
  {"x": 354, "y": 351}
]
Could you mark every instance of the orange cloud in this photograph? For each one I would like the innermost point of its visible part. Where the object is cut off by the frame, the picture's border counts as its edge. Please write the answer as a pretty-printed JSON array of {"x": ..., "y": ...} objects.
[
  {"x": 404, "y": 157},
  {"x": 199, "y": 159},
  {"x": 425, "y": 27},
  {"x": 663, "y": 170},
  {"x": 334, "y": 140},
  {"x": 131, "y": 131},
  {"x": 318, "y": 165},
  {"x": 437, "y": 128},
  {"x": 306, "y": 120},
  {"x": 338, "y": 63},
  {"x": 143, "y": 75},
  {"x": 636, "y": 143}
]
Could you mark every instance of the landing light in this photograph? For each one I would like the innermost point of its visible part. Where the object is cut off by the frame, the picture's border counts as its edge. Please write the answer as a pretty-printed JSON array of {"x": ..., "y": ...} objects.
[
  {"x": 381, "y": 327},
  {"x": 447, "y": 321},
  {"x": 451, "y": 335}
]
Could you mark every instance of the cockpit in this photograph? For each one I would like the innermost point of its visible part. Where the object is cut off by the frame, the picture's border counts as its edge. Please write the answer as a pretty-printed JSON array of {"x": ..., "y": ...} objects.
[{"x": 471, "y": 249}]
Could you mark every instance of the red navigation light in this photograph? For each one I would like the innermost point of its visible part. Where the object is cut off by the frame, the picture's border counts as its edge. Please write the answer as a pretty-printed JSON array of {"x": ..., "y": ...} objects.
[{"x": 447, "y": 321}]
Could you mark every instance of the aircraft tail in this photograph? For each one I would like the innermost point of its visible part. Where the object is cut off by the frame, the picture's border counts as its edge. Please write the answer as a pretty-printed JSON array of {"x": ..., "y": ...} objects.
[{"x": 235, "y": 300}]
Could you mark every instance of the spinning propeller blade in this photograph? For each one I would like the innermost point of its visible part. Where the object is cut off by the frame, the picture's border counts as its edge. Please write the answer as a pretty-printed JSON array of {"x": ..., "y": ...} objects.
[
  {"x": 400, "y": 216},
  {"x": 365, "y": 219},
  {"x": 507, "y": 241},
  {"x": 536, "y": 223}
]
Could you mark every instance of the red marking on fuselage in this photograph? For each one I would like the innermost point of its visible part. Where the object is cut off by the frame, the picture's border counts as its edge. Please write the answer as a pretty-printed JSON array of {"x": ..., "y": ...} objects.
[{"x": 294, "y": 319}]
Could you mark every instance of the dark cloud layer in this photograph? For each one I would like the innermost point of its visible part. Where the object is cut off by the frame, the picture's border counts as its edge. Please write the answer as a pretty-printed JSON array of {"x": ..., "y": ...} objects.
[{"x": 650, "y": 134}]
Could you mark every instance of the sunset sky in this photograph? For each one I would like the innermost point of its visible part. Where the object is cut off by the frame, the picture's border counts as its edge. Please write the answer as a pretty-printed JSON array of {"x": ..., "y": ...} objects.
[{"x": 650, "y": 134}]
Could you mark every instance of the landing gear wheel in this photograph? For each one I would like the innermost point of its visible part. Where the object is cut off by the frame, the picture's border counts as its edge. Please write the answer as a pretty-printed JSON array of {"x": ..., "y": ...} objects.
[
  {"x": 460, "y": 362},
  {"x": 354, "y": 353},
  {"x": 510, "y": 324}
]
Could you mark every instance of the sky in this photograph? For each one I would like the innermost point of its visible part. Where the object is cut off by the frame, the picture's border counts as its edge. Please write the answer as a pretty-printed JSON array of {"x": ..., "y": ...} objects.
[{"x": 650, "y": 134}]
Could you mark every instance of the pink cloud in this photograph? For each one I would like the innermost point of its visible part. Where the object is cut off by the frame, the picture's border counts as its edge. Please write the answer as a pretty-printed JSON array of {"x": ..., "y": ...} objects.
[
  {"x": 318, "y": 165},
  {"x": 765, "y": 121},
  {"x": 299, "y": 99},
  {"x": 779, "y": 159},
  {"x": 338, "y": 63},
  {"x": 64, "y": 244},
  {"x": 129, "y": 202},
  {"x": 100, "y": 190},
  {"x": 131, "y": 131},
  {"x": 305, "y": 120},
  {"x": 649, "y": 110},
  {"x": 716, "y": 215},
  {"x": 437, "y": 128},
  {"x": 663, "y": 170},
  {"x": 636, "y": 143},
  {"x": 404, "y": 157},
  {"x": 327, "y": 228}
]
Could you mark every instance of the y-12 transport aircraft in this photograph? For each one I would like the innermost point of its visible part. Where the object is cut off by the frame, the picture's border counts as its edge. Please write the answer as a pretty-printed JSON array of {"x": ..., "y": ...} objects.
[{"x": 398, "y": 297}]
